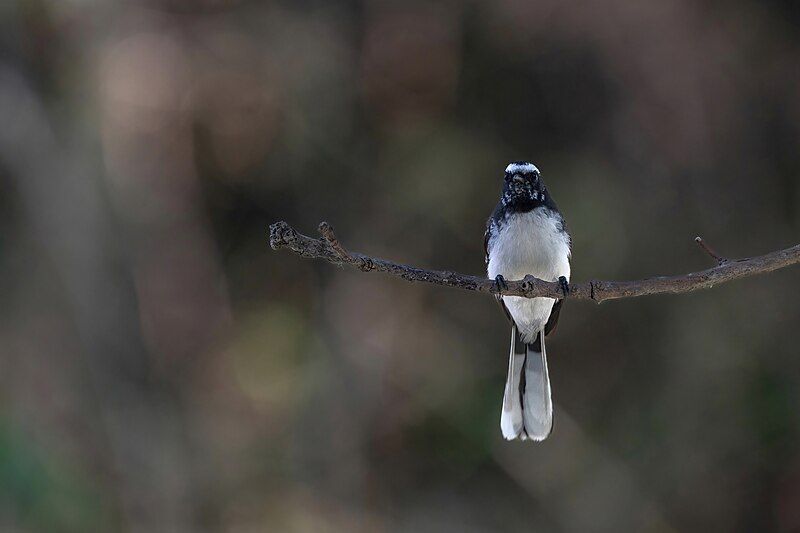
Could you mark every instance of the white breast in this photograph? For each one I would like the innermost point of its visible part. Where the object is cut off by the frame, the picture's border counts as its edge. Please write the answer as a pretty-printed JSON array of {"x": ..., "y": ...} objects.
[{"x": 529, "y": 243}]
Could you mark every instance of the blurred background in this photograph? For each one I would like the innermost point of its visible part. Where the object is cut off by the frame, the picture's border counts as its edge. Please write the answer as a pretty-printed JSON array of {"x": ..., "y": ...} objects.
[{"x": 162, "y": 369}]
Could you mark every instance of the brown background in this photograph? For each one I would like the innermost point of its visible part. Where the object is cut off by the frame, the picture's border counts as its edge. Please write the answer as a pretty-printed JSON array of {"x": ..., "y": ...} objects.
[{"x": 163, "y": 370}]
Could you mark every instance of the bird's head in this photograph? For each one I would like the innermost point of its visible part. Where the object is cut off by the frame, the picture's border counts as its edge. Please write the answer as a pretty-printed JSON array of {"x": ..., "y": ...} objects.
[{"x": 523, "y": 188}]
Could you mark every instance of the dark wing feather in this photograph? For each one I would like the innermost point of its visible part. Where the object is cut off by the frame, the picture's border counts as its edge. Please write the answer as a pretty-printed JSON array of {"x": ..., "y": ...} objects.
[
  {"x": 552, "y": 322},
  {"x": 486, "y": 237}
]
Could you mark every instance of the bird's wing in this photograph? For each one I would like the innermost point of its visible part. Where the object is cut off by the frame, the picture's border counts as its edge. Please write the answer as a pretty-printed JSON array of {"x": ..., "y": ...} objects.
[
  {"x": 486, "y": 237},
  {"x": 552, "y": 322}
]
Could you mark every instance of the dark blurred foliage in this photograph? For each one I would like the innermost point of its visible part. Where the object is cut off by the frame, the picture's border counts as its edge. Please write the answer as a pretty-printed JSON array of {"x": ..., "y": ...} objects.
[{"x": 163, "y": 370}]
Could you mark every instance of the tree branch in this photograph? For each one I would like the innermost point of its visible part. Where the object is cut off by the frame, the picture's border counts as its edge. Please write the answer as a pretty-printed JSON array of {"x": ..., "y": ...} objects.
[
  {"x": 710, "y": 251},
  {"x": 282, "y": 235}
]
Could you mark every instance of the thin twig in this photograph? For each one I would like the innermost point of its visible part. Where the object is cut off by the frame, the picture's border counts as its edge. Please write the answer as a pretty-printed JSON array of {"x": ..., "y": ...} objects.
[
  {"x": 282, "y": 235},
  {"x": 326, "y": 230},
  {"x": 710, "y": 251}
]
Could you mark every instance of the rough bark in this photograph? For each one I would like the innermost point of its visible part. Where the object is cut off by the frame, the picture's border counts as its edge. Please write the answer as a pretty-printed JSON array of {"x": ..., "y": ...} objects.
[{"x": 282, "y": 235}]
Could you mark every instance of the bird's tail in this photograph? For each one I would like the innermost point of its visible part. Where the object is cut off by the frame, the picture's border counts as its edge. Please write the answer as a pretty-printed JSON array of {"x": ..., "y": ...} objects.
[
  {"x": 511, "y": 417},
  {"x": 527, "y": 404},
  {"x": 537, "y": 404}
]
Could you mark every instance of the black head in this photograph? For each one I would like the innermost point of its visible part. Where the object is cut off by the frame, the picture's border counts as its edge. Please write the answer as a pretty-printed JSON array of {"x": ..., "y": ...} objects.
[{"x": 523, "y": 189}]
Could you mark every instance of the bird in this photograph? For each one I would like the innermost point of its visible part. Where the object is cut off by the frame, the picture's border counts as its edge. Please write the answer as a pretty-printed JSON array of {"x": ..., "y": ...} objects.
[{"x": 526, "y": 234}]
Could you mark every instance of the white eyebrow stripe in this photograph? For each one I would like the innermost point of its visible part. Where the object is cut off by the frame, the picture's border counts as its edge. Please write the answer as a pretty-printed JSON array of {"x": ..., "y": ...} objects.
[{"x": 522, "y": 167}]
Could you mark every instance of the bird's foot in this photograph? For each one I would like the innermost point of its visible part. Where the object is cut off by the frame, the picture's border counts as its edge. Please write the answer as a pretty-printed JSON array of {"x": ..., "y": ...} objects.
[
  {"x": 500, "y": 283},
  {"x": 562, "y": 281}
]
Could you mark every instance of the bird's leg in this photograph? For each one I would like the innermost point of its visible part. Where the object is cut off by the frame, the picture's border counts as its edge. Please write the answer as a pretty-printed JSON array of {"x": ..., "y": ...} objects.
[
  {"x": 500, "y": 283},
  {"x": 562, "y": 281}
]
